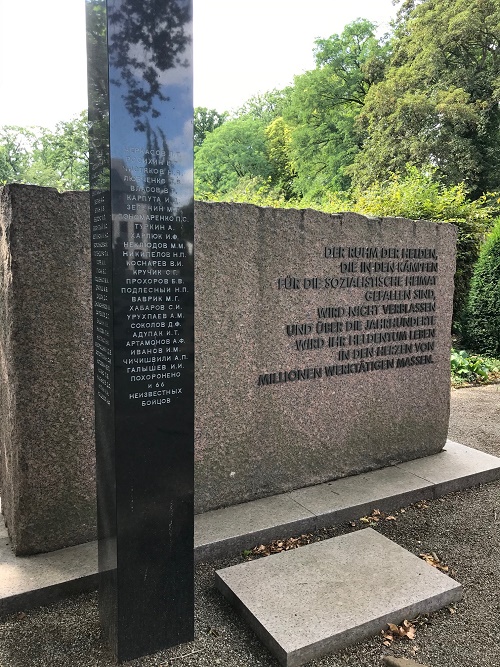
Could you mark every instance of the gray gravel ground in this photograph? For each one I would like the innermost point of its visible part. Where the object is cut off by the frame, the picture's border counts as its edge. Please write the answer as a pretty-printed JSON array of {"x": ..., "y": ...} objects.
[{"x": 463, "y": 529}]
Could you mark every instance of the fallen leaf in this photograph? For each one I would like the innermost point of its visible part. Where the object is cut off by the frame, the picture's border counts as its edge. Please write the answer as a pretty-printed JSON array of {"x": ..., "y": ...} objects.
[
  {"x": 432, "y": 559},
  {"x": 390, "y": 518},
  {"x": 281, "y": 545},
  {"x": 406, "y": 629}
]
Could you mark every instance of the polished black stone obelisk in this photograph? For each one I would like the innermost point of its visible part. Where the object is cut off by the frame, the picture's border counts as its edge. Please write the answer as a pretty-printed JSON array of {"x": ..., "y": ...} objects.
[{"x": 141, "y": 166}]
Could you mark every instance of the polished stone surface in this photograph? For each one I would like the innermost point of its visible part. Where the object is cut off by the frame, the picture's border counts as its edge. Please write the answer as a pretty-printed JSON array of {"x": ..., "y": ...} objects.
[
  {"x": 313, "y": 365},
  {"x": 316, "y": 599},
  {"x": 142, "y": 217}
]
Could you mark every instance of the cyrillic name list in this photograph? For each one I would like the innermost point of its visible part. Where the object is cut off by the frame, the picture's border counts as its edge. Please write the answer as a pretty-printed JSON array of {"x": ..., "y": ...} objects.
[
  {"x": 102, "y": 301},
  {"x": 153, "y": 255}
]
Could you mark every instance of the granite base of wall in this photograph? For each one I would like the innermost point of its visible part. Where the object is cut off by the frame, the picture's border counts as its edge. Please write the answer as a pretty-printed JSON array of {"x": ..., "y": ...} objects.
[
  {"x": 276, "y": 408},
  {"x": 46, "y": 389}
]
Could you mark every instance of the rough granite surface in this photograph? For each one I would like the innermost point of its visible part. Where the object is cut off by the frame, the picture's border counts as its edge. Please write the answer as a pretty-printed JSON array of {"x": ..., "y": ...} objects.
[
  {"x": 253, "y": 441},
  {"x": 46, "y": 389}
]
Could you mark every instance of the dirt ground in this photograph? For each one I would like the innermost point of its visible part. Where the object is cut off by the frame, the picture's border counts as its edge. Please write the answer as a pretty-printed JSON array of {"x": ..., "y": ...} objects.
[{"x": 475, "y": 417}]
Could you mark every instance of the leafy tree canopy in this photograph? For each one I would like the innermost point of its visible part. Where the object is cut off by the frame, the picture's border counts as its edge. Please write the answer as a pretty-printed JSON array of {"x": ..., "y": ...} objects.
[
  {"x": 325, "y": 103},
  {"x": 234, "y": 150},
  {"x": 38, "y": 156},
  {"x": 439, "y": 101},
  {"x": 205, "y": 121},
  {"x": 265, "y": 107}
]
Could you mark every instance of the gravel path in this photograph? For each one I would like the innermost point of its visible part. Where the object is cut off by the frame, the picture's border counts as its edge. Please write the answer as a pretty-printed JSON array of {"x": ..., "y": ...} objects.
[{"x": 463, "y": 529}]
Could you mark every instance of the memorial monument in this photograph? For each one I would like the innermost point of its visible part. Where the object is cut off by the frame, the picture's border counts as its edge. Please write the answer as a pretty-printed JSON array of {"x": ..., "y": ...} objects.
[{"x": 141, "y": 165}]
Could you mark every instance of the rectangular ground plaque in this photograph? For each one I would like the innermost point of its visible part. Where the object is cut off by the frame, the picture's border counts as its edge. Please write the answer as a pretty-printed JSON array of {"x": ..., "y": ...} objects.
[
  {"x": 141, "y": 152},
  {"x": 316, "y": 599}
]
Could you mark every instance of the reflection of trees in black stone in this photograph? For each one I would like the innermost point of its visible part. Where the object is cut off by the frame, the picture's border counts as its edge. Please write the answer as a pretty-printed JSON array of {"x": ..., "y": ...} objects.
[
  {"x": 147, "y": 37},
  {"x": 97, "y": 65}
]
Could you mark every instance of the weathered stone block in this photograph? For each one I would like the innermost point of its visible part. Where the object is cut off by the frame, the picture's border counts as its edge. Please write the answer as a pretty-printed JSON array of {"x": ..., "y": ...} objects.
[
  {"x": 322, "y": 347},
  {"x": 311, "y": 601},
  {"x": 302, "y": 425},
  {"x": 46, "y": 404}
]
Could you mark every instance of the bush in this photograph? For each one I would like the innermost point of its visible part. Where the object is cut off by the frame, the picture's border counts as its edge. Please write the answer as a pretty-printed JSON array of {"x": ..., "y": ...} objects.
[
  {"x": 482, "y": 315},
  {"x": 470, "y": 368}
]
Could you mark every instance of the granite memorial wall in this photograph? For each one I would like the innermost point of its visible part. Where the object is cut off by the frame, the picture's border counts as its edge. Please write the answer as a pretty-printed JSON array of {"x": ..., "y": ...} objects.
[
  {"x": 322, "y": 350},
  {"x": 47, "y": 452},
  {"x": 322, "y": 347}
]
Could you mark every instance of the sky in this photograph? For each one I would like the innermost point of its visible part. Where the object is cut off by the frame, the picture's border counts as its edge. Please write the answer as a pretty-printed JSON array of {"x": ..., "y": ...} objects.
[{"x": 241, "y": 48}]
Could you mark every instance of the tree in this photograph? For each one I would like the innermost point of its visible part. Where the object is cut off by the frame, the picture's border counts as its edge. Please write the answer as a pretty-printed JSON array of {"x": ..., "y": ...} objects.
[
  {"x": 38, "y": 156},
  {"x": 265, "y": 107},
  {"x": 439, "y": 101},
  {"x": 205, "y": 121},
  {"x": 325, "y": 103},
  {"x": 232, "y": 151},
  {"x": 279, "y": 138},
  {"x": 482, "y": 317},
  {"x": 16, "y": 145}
]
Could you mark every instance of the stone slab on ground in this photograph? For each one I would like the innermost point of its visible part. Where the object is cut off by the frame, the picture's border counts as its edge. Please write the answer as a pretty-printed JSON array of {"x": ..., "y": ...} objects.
[
  {"x": 30, "y": 581},
  {"x": 34, "y": 580},
  {"x": 456, "y": 467},
  {"x": 314, "y": 600}
]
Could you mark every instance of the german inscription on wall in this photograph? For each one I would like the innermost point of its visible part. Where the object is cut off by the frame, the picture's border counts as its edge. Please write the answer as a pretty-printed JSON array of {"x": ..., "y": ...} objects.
[{"x": 377, "y": 313}]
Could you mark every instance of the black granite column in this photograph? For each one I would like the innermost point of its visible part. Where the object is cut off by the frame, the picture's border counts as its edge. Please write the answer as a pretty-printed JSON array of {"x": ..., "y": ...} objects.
[{"x": 141, "y": 166}]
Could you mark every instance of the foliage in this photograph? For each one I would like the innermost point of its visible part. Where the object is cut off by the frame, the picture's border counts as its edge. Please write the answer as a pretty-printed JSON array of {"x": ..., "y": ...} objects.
[
  {"x": 265, "y": 106},
  {"x": 254, "y": 190},
  {"x": 418, "y": 195},
  {"x": 35, "y": 155},
  {"x": 482, "y": 313},
  {"x": 232, "y": 151},
  {"x": 325, "y": 103},
  {"x": 205, "y": 121},
  {"x": 439, "y": 100},
  {"x": 279, "y": 138},
  {"x": 471, "y": 368},
  {"x": 16, "y": 144}
]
